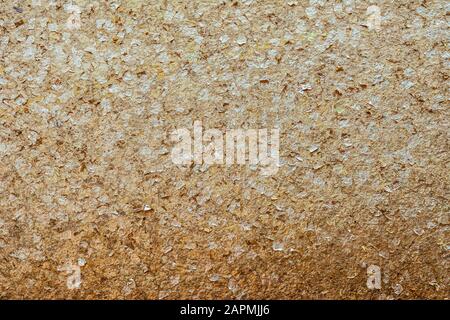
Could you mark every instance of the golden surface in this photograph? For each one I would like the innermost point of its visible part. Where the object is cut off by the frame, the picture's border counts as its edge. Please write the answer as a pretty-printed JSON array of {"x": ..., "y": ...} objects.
[{"x": 90, "y": 93}]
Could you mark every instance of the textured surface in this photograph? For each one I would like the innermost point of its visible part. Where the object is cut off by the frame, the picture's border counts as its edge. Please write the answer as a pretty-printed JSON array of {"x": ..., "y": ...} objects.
[{"x": 89, "y": 95}]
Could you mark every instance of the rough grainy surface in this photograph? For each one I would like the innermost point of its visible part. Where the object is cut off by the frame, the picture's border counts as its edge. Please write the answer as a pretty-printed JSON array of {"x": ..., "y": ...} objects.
[{"x": 92, "y": 207}]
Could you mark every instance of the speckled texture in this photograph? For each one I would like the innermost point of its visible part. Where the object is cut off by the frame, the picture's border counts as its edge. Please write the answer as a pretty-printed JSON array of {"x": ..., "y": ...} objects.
[{"x": 90, "y": 92}]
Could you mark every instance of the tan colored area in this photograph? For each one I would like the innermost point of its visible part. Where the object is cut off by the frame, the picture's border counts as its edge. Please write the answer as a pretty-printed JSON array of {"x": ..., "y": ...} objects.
[{"x": 87, "y": 184}]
